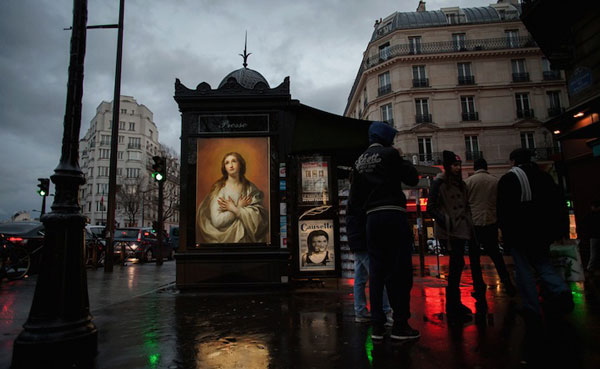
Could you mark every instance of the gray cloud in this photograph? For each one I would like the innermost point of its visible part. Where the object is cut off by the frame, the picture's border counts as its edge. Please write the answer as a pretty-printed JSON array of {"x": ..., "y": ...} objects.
[{"x": 318, "y": 43}]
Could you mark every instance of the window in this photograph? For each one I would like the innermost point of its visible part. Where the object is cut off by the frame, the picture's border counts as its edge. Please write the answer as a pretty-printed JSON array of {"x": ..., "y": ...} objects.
[
  {"x": 104, "y": 154},
  {"x": 134, "y": 155},
  {"x": 122, "y": 125},
  {"x": 131, "y": 126},
  {"x": 523, "y": 109},
  {"x": 385, "y": 83},
  {"x": 102, "y": 188},
  {"x": 100, "y": 207},
  {"x": 387, "y": 114},
  {"x": 467, "y": 104},
  {"x": 123, "y": 111},
  {"x": 384, "y": 51},
  {"x": 119, "y": 172},
  {"x": 512, "y": 38},
  {"x": 458, "y": 39},
  {"x": 121, "y": 139},
  {"x": 527, "y": 141},
  {"x": 133, "y": 172},
  {"x": 134, "y": 143},
  {"x": 151, "y": 133},
  {"x": 472, "y": 148},
  {"x": 414, "y": 44},
  {"x": 102, "y": 171},
  {"x": 425, "y": 153},
  {"x": 365, "y": 98},
  {"x": 419, "y": 77},
  {"x": 554, "y": 107},
  {"x": 105, "y": 140},
  {"x": 465, "y": 76},
  {"x": 519, "y": 72},
  {"x": 422, "y": 108},
  {"x": 550, "y": 74},
  {"x": 120, "y": 155}
]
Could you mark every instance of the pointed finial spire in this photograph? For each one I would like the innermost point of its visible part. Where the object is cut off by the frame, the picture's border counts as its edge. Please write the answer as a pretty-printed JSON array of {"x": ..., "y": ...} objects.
[{"x": 245, "y": 55}]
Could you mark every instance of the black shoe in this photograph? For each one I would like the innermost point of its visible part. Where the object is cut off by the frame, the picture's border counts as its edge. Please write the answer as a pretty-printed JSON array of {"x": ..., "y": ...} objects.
[
  {"x": 559, "y": 305},
  {"x": 481, "y": 306},
  {"x": 378, "y": 332},
  {"x": 510, "y": 289},
  {"x": 459, "y": 315},
  {"x": 404, "y": 332}
]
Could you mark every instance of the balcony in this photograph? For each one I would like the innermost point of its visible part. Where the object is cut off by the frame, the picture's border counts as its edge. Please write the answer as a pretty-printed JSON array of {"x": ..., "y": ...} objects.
[
  {"x": 520, "y": 77},
  {"x": 554, "y": 111},
  {"x": 544, "y": 153},
  {"x": 421, "y": 82},
  {"x": 428, "y": 158},
  {"x": 466, "y": 80},
  {"x": 104, "y": 143},
  {"x": 389, "y": 121},
  {"x": 383, "y": 90},
  {"x": 134, "y": 146},
  {"x": 473, "y": 155},
  {"x": 525, "y": 113},
  {"x": 423, "y": 118},
  {"x": 471, "y": 115},
  {"x": 551, "y": 75},
  {"x": 445, "y": 47}
]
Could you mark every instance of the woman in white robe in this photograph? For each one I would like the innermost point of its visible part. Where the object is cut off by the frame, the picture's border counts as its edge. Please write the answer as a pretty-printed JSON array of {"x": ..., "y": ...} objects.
[{"x": 233, "y": 210}]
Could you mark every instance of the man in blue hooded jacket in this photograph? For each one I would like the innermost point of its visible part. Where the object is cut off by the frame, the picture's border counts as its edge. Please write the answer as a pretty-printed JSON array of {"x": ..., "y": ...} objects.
[{"x": 377, "y": 191}]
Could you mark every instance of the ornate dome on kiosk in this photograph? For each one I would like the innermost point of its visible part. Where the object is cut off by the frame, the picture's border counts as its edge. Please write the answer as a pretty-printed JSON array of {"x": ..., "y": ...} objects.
[{"x": 247, "y": 78}]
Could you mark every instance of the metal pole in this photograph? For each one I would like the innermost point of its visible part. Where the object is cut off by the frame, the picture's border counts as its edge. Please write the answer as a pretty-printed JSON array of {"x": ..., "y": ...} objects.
[
  {"x": 114, "y": 138},
  {"x": 420, "y": 229},
  {"x": 159, "y": 257},
  {"x": 43, "y": 206},
  {"x": 59, "y": 332}
]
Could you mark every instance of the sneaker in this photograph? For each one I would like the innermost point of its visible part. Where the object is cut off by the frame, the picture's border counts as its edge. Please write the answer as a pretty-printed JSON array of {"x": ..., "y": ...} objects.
[
  {"x": 404, "y": 332},
  {"x": 389, "y": 319},
  {"x": 378, "y": 332},
  {"x": 362, "y": 319}
]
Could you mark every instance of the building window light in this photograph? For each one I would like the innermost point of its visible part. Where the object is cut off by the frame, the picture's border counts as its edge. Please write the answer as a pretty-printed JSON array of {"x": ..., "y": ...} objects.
[
  {"x": 557, "y": 132},
  {"x": 578, "y": 115}
]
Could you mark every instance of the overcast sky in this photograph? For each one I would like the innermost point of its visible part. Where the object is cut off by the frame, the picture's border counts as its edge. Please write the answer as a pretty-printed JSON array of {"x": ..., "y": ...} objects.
[{"x": 317, "y": 43}]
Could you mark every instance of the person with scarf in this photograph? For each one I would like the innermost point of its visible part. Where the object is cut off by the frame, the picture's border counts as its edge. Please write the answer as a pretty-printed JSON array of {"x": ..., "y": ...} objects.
[{"x": 532, "y": 213}]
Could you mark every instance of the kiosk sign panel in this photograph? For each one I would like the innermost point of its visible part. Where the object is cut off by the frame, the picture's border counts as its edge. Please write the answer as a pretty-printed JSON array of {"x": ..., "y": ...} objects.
[
  {"x": 315, "y": 181},
  {"x": 316, "y": 251}
]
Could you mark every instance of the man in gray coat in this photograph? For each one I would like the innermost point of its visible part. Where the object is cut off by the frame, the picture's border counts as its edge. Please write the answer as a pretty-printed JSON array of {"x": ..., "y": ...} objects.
[{"x": 482, "y": 188}]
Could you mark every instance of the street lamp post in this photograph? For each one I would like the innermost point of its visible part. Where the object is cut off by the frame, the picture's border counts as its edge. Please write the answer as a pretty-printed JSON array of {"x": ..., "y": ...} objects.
[{"x": 59, "y": 332}]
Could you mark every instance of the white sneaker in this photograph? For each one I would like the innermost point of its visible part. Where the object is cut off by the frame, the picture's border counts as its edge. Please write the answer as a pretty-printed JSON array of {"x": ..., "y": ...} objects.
[{"x": 389, "y": 319}]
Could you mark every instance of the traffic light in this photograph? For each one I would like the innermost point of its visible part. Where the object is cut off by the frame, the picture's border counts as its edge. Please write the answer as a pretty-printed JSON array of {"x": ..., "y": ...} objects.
[
  {"x": 154, "y": 226},
  {"x": 44, "y": 186},
  {"x": 159, "y": 169}
]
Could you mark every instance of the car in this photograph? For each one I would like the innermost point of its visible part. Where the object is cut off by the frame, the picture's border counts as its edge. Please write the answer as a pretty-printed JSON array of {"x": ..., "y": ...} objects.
[
  {"x": 29, "y": 234},
  {"x": 94, "y": 238},
  {"x": 139, "y": 243}
]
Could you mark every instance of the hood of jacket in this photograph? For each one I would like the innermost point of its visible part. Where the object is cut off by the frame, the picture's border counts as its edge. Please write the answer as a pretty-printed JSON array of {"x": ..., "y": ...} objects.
[{"x": 382, "y": 133}]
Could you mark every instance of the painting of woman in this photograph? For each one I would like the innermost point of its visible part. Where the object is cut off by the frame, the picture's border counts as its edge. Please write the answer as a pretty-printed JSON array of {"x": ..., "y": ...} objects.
[{"x": 233, "y": 210}]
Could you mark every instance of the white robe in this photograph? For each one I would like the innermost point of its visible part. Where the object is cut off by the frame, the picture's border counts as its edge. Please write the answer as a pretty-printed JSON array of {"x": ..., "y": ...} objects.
[{"x": 216, "y": 226}]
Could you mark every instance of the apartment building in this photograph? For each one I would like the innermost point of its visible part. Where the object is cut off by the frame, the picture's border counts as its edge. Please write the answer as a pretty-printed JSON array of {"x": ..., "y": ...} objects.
[
  {"x": 469, "y": 80},
  {"x": 137, "y": 144}
]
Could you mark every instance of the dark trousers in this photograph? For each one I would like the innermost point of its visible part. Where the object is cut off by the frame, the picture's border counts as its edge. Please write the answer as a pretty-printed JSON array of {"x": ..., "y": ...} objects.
[
  {"x": 487, "y": 237},
  {"x": 456, "y": 250},
  {"x": 390, "y": 264}
]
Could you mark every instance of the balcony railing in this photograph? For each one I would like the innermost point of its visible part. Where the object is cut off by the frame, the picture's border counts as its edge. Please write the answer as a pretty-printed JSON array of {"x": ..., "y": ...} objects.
[
  {"x": 473, "y": 155},
  {"x": 466, "y": 80},
  {"x": 389, "y": 121},
  {"x": 554, "y": 111},
  {"x": 423, "y": 118},
  {"x": 429, "y": 158},
  {"x": 421, "y": 82},
  {"x": 449, "y": 47},
  {"x": 386, "y": 89},
  {"x": 471, "y": 115},
  {"x": 551, "y": 75},
  {"x": 520, "y": 77},
  {"x": 104, "y": 143},
  {"x": 544, "y": 153},
  {"x": 134, "y": 146},
  {"x": 525, "y": 113}
]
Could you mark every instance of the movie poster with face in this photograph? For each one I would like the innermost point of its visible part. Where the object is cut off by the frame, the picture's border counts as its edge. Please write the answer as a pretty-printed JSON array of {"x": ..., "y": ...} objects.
[
  {"x": 315, "y": 181},
  {"x": 316, "y": 251},
  {"x": 232, "y": 191}
]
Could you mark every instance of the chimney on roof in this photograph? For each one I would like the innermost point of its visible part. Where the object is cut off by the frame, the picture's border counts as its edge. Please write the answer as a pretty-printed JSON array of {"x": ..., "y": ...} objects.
[{"x": 421, "y": 7}]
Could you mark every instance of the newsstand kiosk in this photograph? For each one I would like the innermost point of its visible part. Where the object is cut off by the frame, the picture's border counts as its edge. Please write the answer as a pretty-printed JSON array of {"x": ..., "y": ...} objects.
[{"x": 259, "y": 203}]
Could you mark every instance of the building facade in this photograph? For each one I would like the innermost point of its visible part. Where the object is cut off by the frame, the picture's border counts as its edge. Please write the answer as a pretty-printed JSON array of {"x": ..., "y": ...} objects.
[
  {"x": 470, "y": 80},
  {"x": 136, "y": 190}
]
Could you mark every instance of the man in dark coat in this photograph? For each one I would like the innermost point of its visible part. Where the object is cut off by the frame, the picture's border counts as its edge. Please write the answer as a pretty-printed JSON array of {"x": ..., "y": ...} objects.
[
  {"x": 377, "y": 189},
  {"x": 532, "y": 214}
]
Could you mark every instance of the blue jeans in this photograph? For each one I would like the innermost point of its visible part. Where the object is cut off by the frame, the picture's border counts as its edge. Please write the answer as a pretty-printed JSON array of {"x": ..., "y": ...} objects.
[
  {"x": 390, "y": 264},
  {"x": 526, "y": 268},
  {"x": 361, "y": 276}
]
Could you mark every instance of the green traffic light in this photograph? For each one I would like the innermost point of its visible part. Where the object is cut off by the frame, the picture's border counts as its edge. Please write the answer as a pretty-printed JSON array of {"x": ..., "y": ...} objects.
[
  {"x": 157, "y": 176},
  {"x": 42, "y": 193}
]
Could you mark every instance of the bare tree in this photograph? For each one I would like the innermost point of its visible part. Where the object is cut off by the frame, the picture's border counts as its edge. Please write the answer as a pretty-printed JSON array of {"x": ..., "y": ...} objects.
[{"x": 129, "y": 197}]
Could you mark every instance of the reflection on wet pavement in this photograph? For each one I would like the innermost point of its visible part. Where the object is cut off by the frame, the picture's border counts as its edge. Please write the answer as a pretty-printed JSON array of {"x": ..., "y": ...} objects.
[{"x": 314, "y": 328}]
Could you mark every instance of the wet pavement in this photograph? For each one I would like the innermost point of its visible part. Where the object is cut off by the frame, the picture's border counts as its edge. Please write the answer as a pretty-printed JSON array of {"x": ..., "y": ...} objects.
[{"x": 145, "y": 322}]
